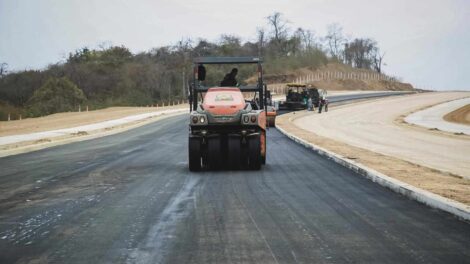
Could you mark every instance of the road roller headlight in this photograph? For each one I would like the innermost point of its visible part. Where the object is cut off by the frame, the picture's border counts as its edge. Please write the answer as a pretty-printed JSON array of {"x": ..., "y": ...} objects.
[
  {"x": 198, "y": 119},
  {"x": 246, "y": 119},
  {"x": 253, "y": 119}
]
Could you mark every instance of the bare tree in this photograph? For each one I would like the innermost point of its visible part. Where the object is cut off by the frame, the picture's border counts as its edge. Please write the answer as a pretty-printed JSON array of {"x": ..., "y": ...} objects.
[
  {"x": 307, "y": 38},
  {"x": 261, "y": 39},
  {"x": 377, "y": 59},
  {"x": 3, "y": 69},
  {"x": 335, "y": 40},
  {"x": 279, "y": 27},
  {"x": 183, "y": 45},
  {"x": 105, "y": 45}
]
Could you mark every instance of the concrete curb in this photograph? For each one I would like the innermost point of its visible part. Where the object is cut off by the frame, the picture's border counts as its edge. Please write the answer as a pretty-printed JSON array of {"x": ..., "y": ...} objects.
[
  {"x": 433, "y": 117},
  {"x": 460, "y": 210}
]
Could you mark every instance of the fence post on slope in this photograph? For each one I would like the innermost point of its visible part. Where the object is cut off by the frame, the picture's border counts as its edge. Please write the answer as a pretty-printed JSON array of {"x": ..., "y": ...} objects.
[{"x": 9, "y": 117}]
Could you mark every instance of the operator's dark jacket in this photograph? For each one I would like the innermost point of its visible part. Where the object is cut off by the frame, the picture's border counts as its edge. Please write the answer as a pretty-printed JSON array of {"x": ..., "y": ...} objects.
[{"x": 229, "y": 80}]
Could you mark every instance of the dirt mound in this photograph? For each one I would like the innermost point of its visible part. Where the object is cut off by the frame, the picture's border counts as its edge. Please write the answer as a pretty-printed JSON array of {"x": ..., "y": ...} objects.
[
  {"x": 334, "y": 83},
  {"x": 362, "y": 85},
  {"x": 273, "y": 78},
  {"x": 461, "y": 115}
]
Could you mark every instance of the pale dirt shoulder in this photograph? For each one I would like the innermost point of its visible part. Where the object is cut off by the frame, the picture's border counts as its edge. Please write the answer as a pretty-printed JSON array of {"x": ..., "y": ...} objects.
[
  {"x": 372, "y": 125},
  {"x": 72, "y": 119},
  {"x": 33, "y": 145},
  {"x": 445, "y": 184}
]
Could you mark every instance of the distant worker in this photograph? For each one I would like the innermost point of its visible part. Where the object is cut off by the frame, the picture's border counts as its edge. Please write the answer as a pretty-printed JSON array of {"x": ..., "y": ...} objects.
[
  {"x": 229, "y": 79},
  {"x": 323, "y": 102}
]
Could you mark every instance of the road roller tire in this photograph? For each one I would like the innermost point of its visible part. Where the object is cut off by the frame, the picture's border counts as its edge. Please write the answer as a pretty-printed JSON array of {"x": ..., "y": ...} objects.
[
  {"x": 234, "y": 153},
  {"x": 254, "y": 152},
  {"x": 194, "y": 154},
  {"x": 271, "y": 121},
  {"x": 214, "y": 153}
]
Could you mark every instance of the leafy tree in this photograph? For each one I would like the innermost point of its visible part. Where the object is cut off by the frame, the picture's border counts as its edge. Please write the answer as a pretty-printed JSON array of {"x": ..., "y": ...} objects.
[
  {"x": 17, "y": 87},
  {"x": 359, "y": 52},
  {"x": 229, "y": 45},
  {"x": 56, "y": 95}
]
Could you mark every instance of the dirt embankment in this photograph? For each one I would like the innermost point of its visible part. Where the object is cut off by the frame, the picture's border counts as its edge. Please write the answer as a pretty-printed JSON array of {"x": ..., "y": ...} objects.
[
  {"x": 461, "y": 115},
  {"x": 359, "y": 82}
]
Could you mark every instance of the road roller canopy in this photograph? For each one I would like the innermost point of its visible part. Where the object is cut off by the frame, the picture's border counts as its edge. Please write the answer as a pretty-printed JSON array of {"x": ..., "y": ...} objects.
[{"x": 197, "y": 87}]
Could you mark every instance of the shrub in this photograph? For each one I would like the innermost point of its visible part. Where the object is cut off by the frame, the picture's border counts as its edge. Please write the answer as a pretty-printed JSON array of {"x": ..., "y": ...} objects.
[{"x": 56, "y": 95}]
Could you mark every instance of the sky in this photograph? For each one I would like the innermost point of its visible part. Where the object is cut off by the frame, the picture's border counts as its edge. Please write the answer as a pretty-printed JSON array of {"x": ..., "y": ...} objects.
[{"x": 426, "y": 42}]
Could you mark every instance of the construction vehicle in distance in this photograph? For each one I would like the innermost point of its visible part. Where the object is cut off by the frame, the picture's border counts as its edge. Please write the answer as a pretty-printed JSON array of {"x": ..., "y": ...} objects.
[
  {"x": 271, "y": 111},
  {"x": 225, "y": 129},
  {"x": 297, "y": 97}
]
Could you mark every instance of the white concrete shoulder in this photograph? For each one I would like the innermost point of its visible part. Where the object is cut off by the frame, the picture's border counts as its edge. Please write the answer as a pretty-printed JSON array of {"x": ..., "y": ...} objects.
[
  {"x": 433, "y": 117},
  {"x": 6, "y": 140},
  {"x": 460, "y": 210}
]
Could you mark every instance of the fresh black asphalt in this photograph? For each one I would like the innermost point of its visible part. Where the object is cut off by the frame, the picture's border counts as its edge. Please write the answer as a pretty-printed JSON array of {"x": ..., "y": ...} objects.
[{"x": 129, "y": 198}]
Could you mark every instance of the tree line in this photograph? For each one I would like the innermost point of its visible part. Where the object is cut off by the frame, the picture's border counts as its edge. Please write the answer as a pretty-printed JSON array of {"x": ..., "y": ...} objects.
[{"x": 114, "y": 76}]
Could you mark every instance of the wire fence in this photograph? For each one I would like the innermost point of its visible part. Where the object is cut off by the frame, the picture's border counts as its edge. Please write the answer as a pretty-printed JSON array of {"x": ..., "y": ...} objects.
[{"x": 338, "y": 75}]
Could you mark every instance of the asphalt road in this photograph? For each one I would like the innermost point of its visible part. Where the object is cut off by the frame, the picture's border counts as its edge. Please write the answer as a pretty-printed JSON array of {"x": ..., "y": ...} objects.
[{"x": 129, "y": 198}]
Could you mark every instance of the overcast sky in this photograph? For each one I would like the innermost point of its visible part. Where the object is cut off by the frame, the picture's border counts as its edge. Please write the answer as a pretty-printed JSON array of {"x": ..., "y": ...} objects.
[{"x": 427, "y": 42}]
